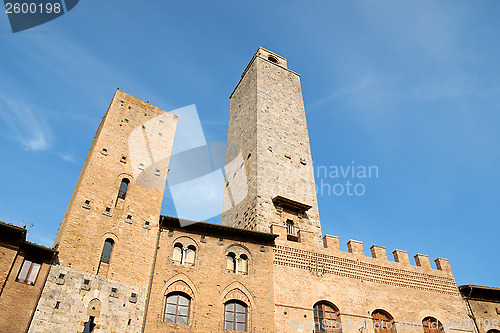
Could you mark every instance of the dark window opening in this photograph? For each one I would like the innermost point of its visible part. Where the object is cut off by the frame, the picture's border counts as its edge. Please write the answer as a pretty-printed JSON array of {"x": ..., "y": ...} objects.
[
  {"x": 272, "y": 59},
  {"x": 57, "y": 305},
  {"x": 106, "y": 250},
  {"x": 89, "y": 326},
  {"x": 432, "y": 325},
  {"x": 122, "y": 192}
]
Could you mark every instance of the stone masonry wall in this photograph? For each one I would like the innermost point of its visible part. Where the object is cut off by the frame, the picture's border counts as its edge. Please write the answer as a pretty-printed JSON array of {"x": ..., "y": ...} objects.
[
  {"x": 267, "y": 121},
  {"x": 487, "y": 314},
  {"x": 64, "y": 305},
  {"x": 240, "y": 191}
]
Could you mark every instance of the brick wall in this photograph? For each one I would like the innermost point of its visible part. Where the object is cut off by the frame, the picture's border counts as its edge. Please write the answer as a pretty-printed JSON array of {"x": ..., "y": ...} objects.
[
  {"x": 211, "y": 285},
  {"x": 18, "y": 300}
]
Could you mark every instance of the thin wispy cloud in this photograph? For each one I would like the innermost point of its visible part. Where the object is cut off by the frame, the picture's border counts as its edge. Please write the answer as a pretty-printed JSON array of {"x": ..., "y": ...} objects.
[
  {"x": 366, "y": 86},
  {"x": 67, "y": 157},
  {"x": 25, "y": 124}
]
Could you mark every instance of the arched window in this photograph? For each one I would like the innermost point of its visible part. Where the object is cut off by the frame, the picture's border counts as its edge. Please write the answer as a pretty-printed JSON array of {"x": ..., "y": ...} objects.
[
  {"x": 382, "y": 322},
  {"x": 493, "y": 331},
  {"x": 432, "y": 325},
  {"x": 178, "y": 254},
  {"x": 235, "y": 316},
  {"x": 190, "y": 255},
  {"x": 326, "y": 318},
  {"x": 184, "y": 255},
  {"x": 106, "y": 250},
  {"x": 243, "y": 264},
  {"x": 231, "y": 262},
  {"x": 177, "y": 308},
  {"x": 272, "y": 59},
  {"x": 122, "y": 192}
]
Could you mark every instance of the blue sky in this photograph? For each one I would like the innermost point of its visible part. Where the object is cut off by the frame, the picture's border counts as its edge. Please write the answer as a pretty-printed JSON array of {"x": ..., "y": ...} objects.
[{"x": 410, "y": 87}]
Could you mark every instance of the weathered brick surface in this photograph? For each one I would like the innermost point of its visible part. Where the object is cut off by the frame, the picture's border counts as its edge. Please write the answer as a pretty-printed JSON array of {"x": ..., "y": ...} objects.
[
  {"x": 7, "y": 257},
  {"x": 487, "y": 314},
  {"x": 134, "y": 141},
  {"x": 83, "y": 231},
  {"x": 357, "y": 286},
  {"x": 211, "y": 285},
  {"x": 18, "y": 300}
]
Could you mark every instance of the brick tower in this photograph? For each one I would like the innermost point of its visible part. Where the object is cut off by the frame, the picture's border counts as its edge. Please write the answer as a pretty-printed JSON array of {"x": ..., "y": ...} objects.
[
  {"x": 108, "y": 236},
  {"x": 269, "y": 170}
]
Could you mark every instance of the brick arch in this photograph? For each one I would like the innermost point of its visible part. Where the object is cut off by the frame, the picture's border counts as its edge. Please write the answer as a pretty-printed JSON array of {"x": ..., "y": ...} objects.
[
  {"x": 180, "y": 286},
  {"x": 379, "y": 305},
  {"x": 328, "y": 302},
  {"x": 430, "y": 314},
  {"x": 384, "y": 312},
  {"x": 238, "y": 291},
  {"x": 237, "y": 295},
  {"x": 122, "y": 175},
  {"x": 180, "y": 282},
  {"x": 238, "y": 249},
  {"x": 331, "y": 299},
  {"x": 110, "y": 235},
  {"x": 185, "y": 241}
]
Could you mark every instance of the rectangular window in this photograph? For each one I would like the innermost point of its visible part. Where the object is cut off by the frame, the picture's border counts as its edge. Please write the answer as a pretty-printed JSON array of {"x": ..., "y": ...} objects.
[{"x": 28, "y": 272}]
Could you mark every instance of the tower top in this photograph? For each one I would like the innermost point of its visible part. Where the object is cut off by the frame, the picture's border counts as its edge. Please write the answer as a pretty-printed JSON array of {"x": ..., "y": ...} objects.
[
  {"x": 273, "y": 182},
  {"x": 269, "y": 57}
]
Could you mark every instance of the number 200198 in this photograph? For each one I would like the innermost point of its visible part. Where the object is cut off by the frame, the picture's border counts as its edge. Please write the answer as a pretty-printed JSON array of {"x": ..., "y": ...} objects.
[{"x": 32, "y": 8}]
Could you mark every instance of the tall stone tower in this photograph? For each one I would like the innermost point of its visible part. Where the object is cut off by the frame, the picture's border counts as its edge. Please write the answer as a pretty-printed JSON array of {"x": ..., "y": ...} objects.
[
  {"x": 269, "y": 170},
  {"x": 108, "y": 238}
]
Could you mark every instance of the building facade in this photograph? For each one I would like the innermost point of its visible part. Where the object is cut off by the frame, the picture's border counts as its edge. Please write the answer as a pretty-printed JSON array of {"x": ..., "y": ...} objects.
[
  {"x": 119, "y": 266},
  {"x": 24, "y": 267},
  {"x": 483, "y": 306}
]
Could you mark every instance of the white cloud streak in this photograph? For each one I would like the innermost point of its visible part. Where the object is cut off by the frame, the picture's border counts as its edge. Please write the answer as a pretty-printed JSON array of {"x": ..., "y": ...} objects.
[{"x": 26, "y": 125}]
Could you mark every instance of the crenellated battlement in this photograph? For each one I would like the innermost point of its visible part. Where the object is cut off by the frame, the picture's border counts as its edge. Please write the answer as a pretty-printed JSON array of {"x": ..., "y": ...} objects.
[
  {"x": 331, "y": 246},
  {"x": 379, "y": 252}
]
